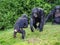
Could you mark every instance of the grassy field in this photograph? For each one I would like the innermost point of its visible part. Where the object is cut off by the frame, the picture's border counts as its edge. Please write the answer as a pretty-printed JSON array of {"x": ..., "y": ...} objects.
[{"x": 50, "y": 36}]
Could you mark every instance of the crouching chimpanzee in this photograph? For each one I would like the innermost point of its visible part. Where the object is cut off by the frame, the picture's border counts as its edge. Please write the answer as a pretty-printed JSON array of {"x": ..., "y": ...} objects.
[
  {"x": 37, "y": 19},
  {"x": 55, "y": 14},
  {"x": 20, "y": 24}
]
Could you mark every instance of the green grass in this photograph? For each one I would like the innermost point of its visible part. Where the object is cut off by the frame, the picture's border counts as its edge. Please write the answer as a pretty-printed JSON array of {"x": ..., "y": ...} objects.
[{"x": 50, "y": 36}]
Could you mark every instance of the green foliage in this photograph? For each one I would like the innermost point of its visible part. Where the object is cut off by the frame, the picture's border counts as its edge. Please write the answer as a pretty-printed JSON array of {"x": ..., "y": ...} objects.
[{"x": 10, "y": 10}]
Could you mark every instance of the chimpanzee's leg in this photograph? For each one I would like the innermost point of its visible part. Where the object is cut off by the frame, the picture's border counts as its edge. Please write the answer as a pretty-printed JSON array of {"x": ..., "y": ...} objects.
[
  {"x": 15, "y": 32},
  {"x": 41, "y": 24},
  {"x": 40, "y": 27},
  {"x": 57, "y": 20},
  {"x": 31, "y": 25},
  {"x": 22, "y": 32},
  {"x": 53, "y": 22}
]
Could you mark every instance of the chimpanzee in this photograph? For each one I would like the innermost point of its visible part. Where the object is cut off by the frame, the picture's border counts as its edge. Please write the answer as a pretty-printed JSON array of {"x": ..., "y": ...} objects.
[
  {"x": 37, "y": 19},
  {"x": 21, "y": 23},
  {"x": 55, "y": 14}
]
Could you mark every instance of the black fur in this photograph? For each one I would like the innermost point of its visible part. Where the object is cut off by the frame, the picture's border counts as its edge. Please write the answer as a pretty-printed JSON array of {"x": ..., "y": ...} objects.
[
  {"x": 21, "y": 23},
  {"x": 37, "y": 16}
]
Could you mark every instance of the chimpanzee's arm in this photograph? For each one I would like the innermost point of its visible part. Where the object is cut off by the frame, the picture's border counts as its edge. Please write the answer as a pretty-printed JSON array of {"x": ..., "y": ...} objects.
[
  {"x": 31, "y": 24},
  {"x": 42, "y": 21},
  {"x": 50, "y": 15}
]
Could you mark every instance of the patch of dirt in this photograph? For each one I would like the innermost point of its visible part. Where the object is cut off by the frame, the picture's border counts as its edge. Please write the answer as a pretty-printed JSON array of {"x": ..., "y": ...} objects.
[{"x": 33, "y": 40}]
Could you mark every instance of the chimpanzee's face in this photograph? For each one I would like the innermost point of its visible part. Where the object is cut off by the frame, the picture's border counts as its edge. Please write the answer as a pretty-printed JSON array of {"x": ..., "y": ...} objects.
[
  {"x": 35, "y": 14},
  {"x": 57, "y": 9}
]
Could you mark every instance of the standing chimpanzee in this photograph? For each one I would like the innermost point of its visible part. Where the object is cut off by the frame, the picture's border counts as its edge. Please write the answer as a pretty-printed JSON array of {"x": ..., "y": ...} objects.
[
  {"x": 20, "y": 24},
  {"x": 37, "y": 17},
  {"x": 55, "y": 14}
]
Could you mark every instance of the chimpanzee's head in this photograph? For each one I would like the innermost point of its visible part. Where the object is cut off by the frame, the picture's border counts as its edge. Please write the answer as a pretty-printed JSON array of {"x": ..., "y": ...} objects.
[
  {"x": 35, "y": 12},
  {"x": 25, "y": 19},
  {"x": 24, "y": 16},
  {"x": 57, "y": 8}
]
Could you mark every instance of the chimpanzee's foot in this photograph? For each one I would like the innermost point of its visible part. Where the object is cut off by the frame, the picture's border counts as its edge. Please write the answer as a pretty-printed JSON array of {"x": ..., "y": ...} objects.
[
  {"x": 14, "y": 36},
  {"x": 32, "y": 30},
  {"x": 40, "y": 30}
]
